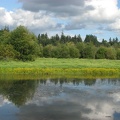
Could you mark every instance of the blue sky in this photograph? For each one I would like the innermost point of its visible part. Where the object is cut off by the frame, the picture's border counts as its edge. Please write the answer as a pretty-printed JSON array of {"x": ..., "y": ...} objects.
[
  {"x": 10, "y": 4},
  {"x": 97, "y": 17}
]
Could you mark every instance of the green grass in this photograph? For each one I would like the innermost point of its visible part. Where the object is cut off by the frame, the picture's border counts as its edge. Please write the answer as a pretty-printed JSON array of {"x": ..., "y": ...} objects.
[
  {"x": 62, "y": 67},
  {"x": 62, "y": 63}
]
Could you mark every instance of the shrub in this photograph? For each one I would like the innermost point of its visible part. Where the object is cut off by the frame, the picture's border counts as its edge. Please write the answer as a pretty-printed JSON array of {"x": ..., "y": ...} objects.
[
  {"x": 110, "y": 53},
  {"x": 63, "y": 51},
  {"x": 7, "y": 51},
  {"x": 101, "y": 53},
  {"x": 24, "y": 42},
  {"x": 73, "y": 51},
  {"x": 89, "y": 51},
  {"x": 80, "y": 47},
  {"x": 118, "y": 54}
]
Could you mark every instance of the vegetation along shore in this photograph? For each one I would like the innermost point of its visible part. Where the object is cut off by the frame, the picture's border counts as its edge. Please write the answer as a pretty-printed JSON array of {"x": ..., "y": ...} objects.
[
  {"x": 22, "y": 52},
  {"x": 55, "y": 66}
]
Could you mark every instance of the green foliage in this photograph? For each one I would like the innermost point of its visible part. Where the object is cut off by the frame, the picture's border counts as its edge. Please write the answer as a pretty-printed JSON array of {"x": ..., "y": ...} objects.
[
  {"x": 73, "y": 51},
  {"x": 4, "y": 36},
  {"x": 105, "y": 43},
  {"x": 23, "y": 45},
  {"x": 40, "y": 50},
  {"x": 24, "y": 42},
  {"x": 80, "y": 46},
  {"x": 113, "y": 41},
  {"x": 79, "y": 39},
  {"x": 118, "y": 54},
  {"x": 89, "y": 51},
  {"x": 7, "y": 52},
  {"x": 91, "y": 39},
  {"x": 61, "y": 51},
  {"x": 47, "y": 51},
  {"x": 106, "y": 53},
  {"x": 43, "y": 39},
  {"x": 55, "y": 52},
  {"x": 64, "y": 51},
  {"x": 54, "y": 40},
  {"x": 101, "y": 53},
  {"x": 110, "y": 53}
]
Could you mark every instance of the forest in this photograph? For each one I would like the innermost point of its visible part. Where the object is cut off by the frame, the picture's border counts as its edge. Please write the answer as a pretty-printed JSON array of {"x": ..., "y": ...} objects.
[{"x": 21, "y": 44}]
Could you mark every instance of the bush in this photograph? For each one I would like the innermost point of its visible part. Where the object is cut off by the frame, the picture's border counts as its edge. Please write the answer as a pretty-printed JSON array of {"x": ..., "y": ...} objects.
[
  {"x": 110, "y": 53},
  {"x": 27, "y": 58},
  {"x": 73, "y": 51},
  {"x": 47, "y": 51},
  {"x": 63, "y": 51},
  {"x": 55, "y": 52},
  {"x": 80, "y": 47},
  {"x": 89, "y": 51},
  {"x": 7, "y": 51},
  {"x": 101, "y": 53},
  {"x": 118, "y": 54},
  {"x": 24, "y": 42}
]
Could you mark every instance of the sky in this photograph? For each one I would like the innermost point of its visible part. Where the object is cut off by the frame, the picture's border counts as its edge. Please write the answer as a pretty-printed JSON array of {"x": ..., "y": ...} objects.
[{"x": 97, "y": 17}]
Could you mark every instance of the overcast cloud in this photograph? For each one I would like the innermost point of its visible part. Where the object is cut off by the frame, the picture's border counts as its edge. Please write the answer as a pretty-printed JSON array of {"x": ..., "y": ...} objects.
[{"x": 52, "y": 15}]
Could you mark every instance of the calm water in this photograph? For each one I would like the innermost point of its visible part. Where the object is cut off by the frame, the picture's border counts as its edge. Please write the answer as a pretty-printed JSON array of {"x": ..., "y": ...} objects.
[{"x": 75, "y": 99}]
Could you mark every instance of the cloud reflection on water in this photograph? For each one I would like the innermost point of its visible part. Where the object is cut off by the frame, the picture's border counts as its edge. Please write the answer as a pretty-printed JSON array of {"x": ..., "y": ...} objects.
[
  {"x": 77, "y": 102},
  {"x": 98, "y": 101}
]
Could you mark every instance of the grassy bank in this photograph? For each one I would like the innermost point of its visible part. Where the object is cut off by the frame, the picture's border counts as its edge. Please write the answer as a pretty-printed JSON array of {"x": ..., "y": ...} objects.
[
  {"x": 52, "y": 66},
  {"x": 62, "y": 63}
]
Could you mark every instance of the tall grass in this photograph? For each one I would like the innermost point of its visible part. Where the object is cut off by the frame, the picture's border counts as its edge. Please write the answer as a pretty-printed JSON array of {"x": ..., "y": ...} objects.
[
  {"x": 63, "y": 67},
  {"x": 62, "y": 63}
]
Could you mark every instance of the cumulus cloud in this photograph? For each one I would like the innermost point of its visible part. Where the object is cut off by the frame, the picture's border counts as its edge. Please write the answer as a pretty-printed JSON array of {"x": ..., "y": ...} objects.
[
  {"x": 5, "y": 17},
  {"x": 103, "y": 14},
  {"x": 115, "y": 25},
  {"x": 59, "y": 8},
  {"x": 41, "y": 21},
  {"x": 79, "y": 14},
  {"x": 105, "y": 10},
  {"x": 52, "y": 15}
]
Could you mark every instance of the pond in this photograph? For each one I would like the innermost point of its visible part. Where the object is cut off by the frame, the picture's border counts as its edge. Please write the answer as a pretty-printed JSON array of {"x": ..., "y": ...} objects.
[{"x": 60, "y": 99}]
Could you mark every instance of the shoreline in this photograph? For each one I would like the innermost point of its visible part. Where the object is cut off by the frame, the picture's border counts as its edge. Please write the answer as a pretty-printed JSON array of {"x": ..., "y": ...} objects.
[
  {"x": 62, "y": 67},
  {"x": 67, "y": 72}
]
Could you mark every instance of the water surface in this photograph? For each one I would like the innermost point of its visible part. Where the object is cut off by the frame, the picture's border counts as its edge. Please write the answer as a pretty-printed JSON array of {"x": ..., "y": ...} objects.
[{"x": 60, "y": 99}]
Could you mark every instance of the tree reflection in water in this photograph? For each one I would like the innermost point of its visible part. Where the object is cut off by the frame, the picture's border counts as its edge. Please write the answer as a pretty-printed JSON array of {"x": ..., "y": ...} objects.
[
  {"x": 18, "y": 92},
  {"x": 56, "y": 99}
]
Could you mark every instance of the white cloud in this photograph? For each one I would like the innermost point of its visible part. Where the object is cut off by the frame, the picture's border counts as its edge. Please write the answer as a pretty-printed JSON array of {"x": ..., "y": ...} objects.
[
  {"x": 100, "y": 111},
  {"x": 3, "y": 101},
  {"x": 40, "y": 21},
  {"x": 5, "y": 17},
  {"x": 105, "y": 10},
  {"x": 45, "y": 15},
  {"x": 105, "y": 13},
  {"x": 115, "y": 25}
]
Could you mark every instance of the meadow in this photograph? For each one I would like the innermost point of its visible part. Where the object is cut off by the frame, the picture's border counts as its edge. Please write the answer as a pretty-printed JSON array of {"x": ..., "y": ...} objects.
[
  {"x": 62, "y": 63},
  {"x": 70, "y": 67}
]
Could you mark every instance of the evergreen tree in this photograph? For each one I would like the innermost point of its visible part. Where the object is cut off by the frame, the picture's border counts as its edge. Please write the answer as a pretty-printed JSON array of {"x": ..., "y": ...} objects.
[
  {"x": 91, "y": 39},
  {"x": 79, "y": 39}
]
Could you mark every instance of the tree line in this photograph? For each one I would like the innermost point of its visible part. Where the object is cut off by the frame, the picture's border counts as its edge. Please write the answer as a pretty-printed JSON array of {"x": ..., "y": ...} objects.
[{"x": 21, "y": 44}]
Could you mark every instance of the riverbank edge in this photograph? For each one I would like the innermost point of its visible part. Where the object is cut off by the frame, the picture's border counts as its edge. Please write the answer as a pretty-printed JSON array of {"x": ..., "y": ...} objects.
[{"x": 59, "y": 72}]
